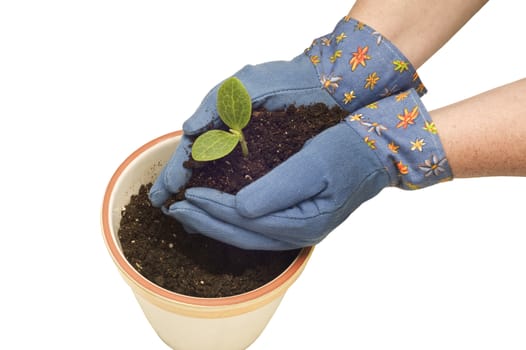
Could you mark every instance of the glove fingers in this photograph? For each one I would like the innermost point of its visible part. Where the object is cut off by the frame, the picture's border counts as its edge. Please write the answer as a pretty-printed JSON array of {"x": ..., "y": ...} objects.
[
  {"x": 159, "y": 194},
  {"x": 173, "y": 176},
  {"x": 301, "y": 225},
  {"x": 195, "y": 219}
]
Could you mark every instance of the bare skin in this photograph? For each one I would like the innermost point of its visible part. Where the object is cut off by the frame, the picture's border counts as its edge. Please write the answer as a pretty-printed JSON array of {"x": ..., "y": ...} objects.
[
  {"x": 419, "y": 28},
  {"x": 485, "y": 135}
]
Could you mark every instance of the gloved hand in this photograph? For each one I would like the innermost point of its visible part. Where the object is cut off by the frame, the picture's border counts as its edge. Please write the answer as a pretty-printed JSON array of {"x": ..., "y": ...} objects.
[
  {"x": 392, "y": 142},
  {"x": 352, "y": 67}
]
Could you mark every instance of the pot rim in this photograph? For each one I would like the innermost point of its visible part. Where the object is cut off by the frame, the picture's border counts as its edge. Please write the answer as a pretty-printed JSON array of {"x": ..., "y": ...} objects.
[{"x": 276, "y": 286}]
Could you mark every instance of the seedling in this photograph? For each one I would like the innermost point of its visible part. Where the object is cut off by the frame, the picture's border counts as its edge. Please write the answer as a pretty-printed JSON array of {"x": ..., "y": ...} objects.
[{"x": 234, "y": 107}]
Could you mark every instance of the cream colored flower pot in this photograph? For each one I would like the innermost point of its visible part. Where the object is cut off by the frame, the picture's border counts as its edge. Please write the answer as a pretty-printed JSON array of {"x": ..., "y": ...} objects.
[{"x": 183, "y": 322}]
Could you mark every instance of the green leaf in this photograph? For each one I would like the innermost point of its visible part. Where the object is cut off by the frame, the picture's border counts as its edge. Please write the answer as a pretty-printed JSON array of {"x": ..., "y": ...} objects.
[
  {"x": 213, "y": 144},
  {"x": 234, "y": 104}
]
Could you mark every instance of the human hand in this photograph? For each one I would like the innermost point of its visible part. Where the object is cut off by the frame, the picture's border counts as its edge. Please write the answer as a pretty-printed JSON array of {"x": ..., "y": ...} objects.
[
  {"x": 392, "y": 142},
  {"x": 352, "y": 67}
]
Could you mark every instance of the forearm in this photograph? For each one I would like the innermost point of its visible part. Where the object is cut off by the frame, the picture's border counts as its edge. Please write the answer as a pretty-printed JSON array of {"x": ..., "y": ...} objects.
[
  {"x": 485, "y": 135},
  {"x": 419, "y": 28}
]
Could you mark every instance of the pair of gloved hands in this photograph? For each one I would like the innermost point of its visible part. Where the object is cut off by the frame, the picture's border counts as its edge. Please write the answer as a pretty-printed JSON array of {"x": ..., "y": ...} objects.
[{"x": 388, "y": 139}]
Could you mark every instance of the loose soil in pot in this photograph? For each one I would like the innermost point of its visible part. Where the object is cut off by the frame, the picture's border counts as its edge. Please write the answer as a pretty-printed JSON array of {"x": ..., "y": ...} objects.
[{"x": 193, "y": 264}]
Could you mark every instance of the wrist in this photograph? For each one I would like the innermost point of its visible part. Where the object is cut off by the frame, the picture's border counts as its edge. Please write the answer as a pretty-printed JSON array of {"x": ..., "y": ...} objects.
[{"x": 417, "y": 28}]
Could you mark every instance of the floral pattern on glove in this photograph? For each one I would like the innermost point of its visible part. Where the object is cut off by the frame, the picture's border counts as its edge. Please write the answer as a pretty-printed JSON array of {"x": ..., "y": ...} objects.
[
  {"x": 357, "y": 65},
  {"x": 401, "y": 133}
]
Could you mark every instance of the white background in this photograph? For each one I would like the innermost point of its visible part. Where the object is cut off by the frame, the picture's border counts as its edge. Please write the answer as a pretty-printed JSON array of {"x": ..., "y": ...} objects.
[{"x": 84, "y": 83}]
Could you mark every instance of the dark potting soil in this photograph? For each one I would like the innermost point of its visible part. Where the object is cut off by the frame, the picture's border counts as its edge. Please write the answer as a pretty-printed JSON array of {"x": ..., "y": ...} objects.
[{"x": 193, "y": 264}]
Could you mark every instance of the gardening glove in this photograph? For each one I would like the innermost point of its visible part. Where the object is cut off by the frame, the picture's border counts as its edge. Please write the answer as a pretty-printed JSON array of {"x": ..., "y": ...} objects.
[
  {"x": 350, "y": 67},
  {"x": 391, "y": 142}
]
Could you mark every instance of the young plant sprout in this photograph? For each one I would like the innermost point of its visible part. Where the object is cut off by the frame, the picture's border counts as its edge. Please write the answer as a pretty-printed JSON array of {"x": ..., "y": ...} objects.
[{"x": 234, "y": 107}]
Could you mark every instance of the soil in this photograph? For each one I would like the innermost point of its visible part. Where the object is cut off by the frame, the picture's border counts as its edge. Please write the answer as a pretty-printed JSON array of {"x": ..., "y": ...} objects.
[{"x": 193, "y": 264}]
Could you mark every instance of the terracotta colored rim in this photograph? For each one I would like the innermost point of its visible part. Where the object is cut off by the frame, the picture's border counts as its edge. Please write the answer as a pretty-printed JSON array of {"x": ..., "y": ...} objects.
[{"x": 152, "y": 288}]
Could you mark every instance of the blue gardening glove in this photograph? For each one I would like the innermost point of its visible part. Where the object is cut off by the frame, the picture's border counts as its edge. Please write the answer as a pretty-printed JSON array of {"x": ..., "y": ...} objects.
[
  {"x": 352, "y": 67},
  {"x": 392, "y": 142}
]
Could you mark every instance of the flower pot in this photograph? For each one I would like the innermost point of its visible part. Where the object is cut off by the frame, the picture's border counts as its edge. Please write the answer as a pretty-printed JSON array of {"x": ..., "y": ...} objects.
[{"x": 185, "y": 322}]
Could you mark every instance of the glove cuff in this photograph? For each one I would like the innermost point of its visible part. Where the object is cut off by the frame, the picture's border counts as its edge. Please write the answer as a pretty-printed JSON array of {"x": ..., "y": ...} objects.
[
  {"x": 399, "y": 130},
  {"x": 357, "y": 65}
]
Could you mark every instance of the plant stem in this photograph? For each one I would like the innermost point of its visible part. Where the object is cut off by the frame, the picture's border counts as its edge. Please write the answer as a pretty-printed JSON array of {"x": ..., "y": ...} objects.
[{"x": 243, "y": 142}]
